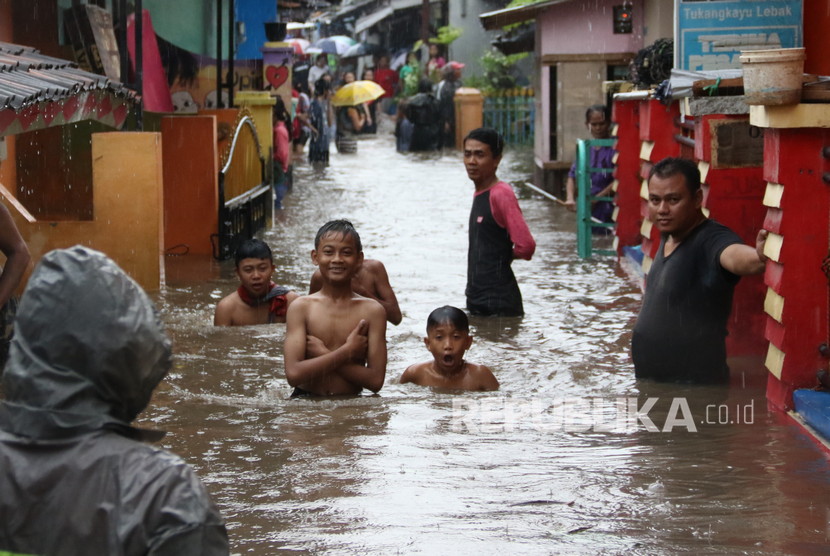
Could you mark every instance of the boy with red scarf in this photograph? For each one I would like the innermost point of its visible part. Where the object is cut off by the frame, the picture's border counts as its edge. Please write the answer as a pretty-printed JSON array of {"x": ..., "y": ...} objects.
[{"x": 258, "y": 300}]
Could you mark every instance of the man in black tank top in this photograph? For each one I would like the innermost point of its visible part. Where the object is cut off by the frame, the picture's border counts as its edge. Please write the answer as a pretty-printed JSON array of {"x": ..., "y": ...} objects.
[
  {"x": 497, "y": 229},
  {"x": 680, "y": 334}
]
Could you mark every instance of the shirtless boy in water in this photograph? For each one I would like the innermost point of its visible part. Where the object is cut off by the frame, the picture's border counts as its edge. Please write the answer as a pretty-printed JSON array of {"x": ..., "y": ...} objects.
[
  {"x": 448, "y": 337},
  {"x": 370, "y": 281},
  {"x": 335, "y": 339},
  {"x": 258, "y": 300}
]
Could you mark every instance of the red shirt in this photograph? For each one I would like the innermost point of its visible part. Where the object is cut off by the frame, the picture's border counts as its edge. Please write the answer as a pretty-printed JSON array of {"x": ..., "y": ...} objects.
[
  {"x": 281, "y": 144},
  {"x": 388, "y": 79},
  {"x": 508, "y": 215}
]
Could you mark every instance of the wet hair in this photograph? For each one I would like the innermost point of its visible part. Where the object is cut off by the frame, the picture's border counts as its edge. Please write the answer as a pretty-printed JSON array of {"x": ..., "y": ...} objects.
[
  {"x": 321, "y": 86},
  {"x": 301, "y": 86},
  {"x": 363, "y": 75},
  {"x": 599, "y": 109},
  {"x": 448, "y": 315},
  {"x": 338, "y": 227},
  {"x": 253, "y": 249},
  {"x": 280, "y": 112},
  {"x": 670, "y": 166},
  {"x": 488, "y": 136},
  {"x": 425, "y": 86}
]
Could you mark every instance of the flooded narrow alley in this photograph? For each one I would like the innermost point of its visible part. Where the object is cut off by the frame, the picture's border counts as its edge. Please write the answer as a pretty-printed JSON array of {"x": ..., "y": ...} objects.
[{"x": 544, "y": 466}]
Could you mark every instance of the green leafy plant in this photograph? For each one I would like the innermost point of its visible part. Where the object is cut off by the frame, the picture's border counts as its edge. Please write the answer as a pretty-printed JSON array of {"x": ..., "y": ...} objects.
[
  {"x": 498, "y": 72},
  {"x": 447, "y": 34},
  {"x": 476, "y": 82}
]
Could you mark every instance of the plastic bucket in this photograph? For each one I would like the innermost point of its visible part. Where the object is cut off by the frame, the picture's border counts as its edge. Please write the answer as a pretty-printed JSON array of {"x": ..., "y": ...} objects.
[{"x": 773, "y": 77}]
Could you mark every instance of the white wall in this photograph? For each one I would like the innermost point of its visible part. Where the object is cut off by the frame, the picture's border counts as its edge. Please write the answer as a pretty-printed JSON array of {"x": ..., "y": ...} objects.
[{"x": 475, "y": 42}]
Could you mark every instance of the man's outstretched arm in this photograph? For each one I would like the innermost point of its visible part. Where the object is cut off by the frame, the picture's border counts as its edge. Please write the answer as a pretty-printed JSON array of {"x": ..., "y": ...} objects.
[{"x": 743, "y": 260}]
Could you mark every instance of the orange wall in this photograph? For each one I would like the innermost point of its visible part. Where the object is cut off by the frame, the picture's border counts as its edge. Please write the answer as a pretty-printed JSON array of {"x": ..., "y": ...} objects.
[
  {"x": 8, "y": 167},
  {"x": 191, "y": 169},
  {"x": 128, "y": 203},
  {"x": 816, "y": 36},
  {"x": 225, "y": 118}
]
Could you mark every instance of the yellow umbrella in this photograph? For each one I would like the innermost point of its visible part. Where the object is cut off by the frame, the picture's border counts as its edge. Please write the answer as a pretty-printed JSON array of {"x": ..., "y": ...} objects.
[{"x": 357, "y": 92}]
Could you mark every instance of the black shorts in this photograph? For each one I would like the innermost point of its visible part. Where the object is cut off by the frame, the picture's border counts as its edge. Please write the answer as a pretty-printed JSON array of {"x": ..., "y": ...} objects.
[{"x": 303, "y": 138}]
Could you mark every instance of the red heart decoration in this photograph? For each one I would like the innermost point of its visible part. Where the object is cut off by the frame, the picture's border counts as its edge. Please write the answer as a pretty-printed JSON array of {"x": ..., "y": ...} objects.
[{"x": 276, "y": 76}]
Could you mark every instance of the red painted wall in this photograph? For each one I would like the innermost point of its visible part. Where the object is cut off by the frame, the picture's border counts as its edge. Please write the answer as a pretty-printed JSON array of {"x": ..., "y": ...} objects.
[
  {"x": 734, "y": 197},
  {"x": 793, "y": 158},
  {"x": 816, "y": 36},
  {"x": 626, "y": 117}
]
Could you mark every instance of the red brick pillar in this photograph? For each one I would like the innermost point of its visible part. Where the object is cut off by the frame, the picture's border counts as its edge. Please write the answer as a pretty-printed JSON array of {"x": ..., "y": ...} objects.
[
  {"x": 627, "y": 215},
  {"x": 798, "y": 218}
]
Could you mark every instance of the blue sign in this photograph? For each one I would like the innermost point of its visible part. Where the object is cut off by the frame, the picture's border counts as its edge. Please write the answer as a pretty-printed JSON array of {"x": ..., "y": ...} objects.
[{"x": 711, "y": 35}]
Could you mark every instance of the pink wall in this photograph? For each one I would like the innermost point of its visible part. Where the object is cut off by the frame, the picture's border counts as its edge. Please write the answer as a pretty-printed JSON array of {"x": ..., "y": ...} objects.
[{"x": 587, "y": 28}]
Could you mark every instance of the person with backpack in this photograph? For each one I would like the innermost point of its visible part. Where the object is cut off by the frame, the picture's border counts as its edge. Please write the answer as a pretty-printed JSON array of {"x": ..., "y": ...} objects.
[{"x": 423, "y": 111}]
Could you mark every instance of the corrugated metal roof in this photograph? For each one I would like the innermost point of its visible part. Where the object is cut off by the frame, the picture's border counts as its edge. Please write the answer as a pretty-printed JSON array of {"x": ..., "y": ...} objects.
[
  {"x": 499, "y": 18},
  {"x": 28, "y": 77}
]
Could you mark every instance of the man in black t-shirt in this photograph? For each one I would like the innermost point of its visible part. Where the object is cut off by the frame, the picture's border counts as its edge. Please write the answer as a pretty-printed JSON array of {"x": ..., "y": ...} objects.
[{"x": 680, "y": 334}]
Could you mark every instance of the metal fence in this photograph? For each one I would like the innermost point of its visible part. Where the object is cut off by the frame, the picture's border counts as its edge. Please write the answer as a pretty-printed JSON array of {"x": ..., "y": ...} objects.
[
  {"x": 245, "y": 195},
  {"x": 512, "y": 113},
  {"x": 585, "y": 222}
]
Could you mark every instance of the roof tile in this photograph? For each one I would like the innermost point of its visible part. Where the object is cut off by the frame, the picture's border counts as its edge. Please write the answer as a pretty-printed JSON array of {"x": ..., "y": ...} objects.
[{"x": 28, "y": 77}]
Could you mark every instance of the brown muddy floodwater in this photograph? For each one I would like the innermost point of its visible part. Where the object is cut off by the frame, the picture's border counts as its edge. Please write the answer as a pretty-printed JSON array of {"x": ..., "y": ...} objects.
[{"x": 554, "y": 463}]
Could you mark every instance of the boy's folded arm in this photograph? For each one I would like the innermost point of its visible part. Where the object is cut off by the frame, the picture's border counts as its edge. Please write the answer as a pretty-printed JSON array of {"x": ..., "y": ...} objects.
[
  {"x": 299, "y": 370},
  {"x": 365, "y": 376},
  {"x": 373, "y": 374}
]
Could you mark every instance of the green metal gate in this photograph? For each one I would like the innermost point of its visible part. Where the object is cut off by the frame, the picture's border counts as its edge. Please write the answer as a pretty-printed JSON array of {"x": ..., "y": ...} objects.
[{"x": 585, "y": 223}]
